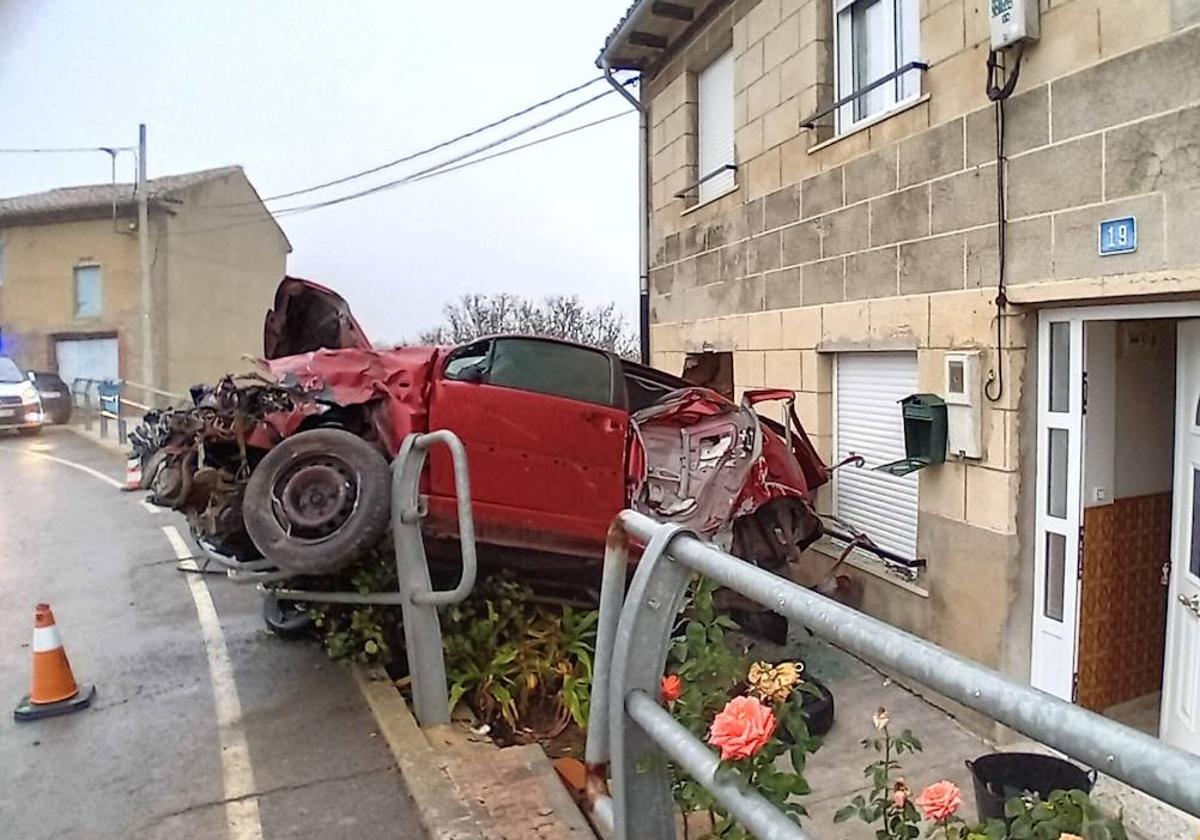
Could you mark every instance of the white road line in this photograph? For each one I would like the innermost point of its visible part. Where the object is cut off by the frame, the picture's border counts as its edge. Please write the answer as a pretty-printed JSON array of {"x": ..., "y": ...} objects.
[
  {"x": 152, "y": 508},
  {"x": 242, "y": 821},
  {"x": 93, "y": 473}
]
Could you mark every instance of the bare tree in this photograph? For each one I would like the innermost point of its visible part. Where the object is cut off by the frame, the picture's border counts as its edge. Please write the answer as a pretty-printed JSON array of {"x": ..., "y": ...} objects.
[{"x": 555, "y": 316}]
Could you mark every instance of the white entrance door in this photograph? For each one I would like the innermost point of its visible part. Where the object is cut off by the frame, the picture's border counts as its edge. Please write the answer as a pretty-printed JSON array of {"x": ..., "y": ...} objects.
[
  {"x": 87, "y": 358},
  {"x": 1181, "y": 671},
  {"x": 1060, "y": 434}
]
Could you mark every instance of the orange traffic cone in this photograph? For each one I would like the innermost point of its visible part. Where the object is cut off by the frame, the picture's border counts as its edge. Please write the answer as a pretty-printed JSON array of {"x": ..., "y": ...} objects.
[
  {"x": 54, "y": 690},
  {"x": 133, "y": 473}
]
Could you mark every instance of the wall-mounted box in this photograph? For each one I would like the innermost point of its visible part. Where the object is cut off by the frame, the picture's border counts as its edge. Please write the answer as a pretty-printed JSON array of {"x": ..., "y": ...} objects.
[
  {"x": 964, "y": 404},
  {"x": 924, "y": 418}
]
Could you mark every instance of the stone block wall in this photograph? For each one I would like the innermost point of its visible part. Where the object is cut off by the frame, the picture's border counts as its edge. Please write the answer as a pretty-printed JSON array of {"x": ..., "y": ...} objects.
[{"x": 886, "y": 238}]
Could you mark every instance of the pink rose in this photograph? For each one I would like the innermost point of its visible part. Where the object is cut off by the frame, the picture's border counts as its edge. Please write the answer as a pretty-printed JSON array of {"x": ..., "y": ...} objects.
[
  {"x": 671, "y": 689},
  {"x": 742, "y": 728},
  {"x": 940, "y": 801}
]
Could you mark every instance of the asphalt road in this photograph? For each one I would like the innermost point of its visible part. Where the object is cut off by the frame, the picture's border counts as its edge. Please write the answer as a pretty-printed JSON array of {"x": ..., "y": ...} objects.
[{"x": 165, "y": 751}]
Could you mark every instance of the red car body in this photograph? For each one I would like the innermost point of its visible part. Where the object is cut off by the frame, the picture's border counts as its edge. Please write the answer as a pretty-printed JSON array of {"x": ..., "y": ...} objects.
[{"x": 559, "y": 437}]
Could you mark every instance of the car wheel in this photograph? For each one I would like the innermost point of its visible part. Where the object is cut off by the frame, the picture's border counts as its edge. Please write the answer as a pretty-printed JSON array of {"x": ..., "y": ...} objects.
[
  {"x": 286, "y": 619},
  {"x": 317, "y": 501}
]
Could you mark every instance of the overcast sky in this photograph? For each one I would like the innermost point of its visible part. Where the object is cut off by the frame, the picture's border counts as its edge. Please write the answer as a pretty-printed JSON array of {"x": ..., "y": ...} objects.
[{"x": 301, "y": 91}]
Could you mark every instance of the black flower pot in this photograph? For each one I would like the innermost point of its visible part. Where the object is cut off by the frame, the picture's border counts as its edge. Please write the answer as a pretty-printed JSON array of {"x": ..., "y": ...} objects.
[
  {"x": 816, "y": 708},
  {"x": 999, "y": 777}
]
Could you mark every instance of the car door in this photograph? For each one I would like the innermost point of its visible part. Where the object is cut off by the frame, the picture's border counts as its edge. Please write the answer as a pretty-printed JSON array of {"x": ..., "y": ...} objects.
[{"x": 544, "y": 431}]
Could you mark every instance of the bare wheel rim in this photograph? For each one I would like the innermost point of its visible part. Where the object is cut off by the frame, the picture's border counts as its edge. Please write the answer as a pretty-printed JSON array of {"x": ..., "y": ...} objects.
[{"x": 314, "y": 496}]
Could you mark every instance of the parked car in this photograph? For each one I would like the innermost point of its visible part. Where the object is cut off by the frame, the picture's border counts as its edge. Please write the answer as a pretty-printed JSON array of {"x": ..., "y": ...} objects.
[
  {"x": 56, "y": 396},
  {"x": 20, "y": 405},
  {"x": 293, "y": 464}
]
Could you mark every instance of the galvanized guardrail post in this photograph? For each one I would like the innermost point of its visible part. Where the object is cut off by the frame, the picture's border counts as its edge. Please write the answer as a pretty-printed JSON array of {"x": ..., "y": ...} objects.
[
  {"x": 422, "y": 629},
  {"x": 417, "y": 599},
  {"x": 630, "y": 727}
]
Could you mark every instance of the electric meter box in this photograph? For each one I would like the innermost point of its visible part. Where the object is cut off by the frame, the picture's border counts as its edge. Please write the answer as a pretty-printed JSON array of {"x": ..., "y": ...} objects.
[
  {"x": 964, "y": 405},
  {"x": 1012, "y": 21}
]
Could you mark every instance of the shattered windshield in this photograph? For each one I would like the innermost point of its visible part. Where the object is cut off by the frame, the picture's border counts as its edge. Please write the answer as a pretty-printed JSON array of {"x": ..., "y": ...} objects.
[{"x": 9, "y": 372}]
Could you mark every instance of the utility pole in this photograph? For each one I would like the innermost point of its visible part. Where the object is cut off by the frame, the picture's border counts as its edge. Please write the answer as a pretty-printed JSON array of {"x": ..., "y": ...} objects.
[{"x": 141, "y": 191}]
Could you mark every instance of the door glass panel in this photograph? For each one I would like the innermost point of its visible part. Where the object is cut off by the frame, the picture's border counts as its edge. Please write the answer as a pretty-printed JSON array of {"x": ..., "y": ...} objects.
[
  {"x": 1056, "y": 569},
  {"x": 1194, "y": 549},
  {"x": 1060, "y": 366},
  {"x": 1056, "y": 495},
  {"x": 548, "y": 367}
]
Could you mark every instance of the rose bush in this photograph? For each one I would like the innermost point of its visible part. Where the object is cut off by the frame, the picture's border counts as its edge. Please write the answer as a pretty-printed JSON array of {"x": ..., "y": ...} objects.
[
  {"x": 742, "y": 728},
  {"x": 940, "y": 801},
  {"x": 1064, "y": 815}
]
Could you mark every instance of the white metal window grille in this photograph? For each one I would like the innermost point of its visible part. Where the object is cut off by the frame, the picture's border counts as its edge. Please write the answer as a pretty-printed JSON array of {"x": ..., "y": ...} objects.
[
  {"x": 867, "y": 422},
  {"x": 715, "y": 120},
  {"x": 874, "y": 38}
]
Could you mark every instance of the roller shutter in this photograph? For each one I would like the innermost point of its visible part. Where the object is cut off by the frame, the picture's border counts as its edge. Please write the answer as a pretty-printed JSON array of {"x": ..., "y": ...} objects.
[{"x": 867, "y": 422}]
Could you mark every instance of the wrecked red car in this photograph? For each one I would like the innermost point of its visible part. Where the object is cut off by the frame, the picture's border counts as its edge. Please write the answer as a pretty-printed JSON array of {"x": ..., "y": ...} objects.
[{"x": 293, "y": 463}]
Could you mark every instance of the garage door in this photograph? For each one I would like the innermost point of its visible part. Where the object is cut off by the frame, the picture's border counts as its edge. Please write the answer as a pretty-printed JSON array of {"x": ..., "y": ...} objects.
[{"x": 87, "y": 358}]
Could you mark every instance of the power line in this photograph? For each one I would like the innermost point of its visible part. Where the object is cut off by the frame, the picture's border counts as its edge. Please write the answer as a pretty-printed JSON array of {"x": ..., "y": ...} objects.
[
  {"x": 66, "y": 150},
  {"x": 428, "y": 150},
  {"x": 530, "y": 144},
  {"x": 444, "y": 170},
  {"x": 390, "y": 184}
]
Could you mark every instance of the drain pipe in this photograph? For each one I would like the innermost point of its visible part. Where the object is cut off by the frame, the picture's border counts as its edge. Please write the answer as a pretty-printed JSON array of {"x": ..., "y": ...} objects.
[{"x": 643, "y": 212}]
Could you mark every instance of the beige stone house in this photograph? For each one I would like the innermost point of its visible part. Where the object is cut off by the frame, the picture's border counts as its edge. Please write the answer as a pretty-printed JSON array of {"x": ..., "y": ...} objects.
[
  {"x": 824, "y": 215},
  {"x": 70, "y": 282}
]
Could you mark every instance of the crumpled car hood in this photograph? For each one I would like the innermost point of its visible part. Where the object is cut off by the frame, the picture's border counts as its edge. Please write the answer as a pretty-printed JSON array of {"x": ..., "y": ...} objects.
[{"x": 307, "y": 316}]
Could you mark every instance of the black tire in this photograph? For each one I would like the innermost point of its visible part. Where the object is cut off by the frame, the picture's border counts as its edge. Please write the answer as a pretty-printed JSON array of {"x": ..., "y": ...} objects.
[
  {"x": 286, "y": 619},
  {"x": 318, "y": 501}
]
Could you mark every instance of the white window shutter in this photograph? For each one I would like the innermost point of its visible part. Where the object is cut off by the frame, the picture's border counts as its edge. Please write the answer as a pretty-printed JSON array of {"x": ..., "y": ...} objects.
[
  {"x": 867, "y": 422},
  {"x": 715, "y": 85}
]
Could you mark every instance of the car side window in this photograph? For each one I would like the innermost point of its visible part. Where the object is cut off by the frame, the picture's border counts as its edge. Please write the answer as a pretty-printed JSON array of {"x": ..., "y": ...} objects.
[
  {"x": 642, "y": 392},
  {"x": 469, "y": 363},
  {"x": 547, "y": 367}
]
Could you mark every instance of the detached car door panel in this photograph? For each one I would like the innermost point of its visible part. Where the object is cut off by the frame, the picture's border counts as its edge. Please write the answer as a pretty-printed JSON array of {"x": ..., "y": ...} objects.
[{"x": 545, "y": 443}]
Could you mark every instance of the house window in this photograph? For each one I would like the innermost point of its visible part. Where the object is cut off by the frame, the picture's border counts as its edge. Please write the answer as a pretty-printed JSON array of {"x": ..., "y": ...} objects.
[
  {"x": 715, "y": 128},
  {"x": 874, "y": 38},
  {"x": 89, "y": 290},
  {"x": 868, "y": 388}
]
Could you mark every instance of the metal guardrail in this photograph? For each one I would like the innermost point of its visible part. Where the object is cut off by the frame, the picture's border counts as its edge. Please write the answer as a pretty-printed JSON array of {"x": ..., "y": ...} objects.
[
  {"x": 417, "y": 599},
  {"x": 106, "y": 400},
  {"x": 630, "y": 732}
]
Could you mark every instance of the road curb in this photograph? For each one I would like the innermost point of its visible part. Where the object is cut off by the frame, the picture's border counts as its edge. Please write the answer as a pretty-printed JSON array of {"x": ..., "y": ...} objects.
[
  {"x": 469, "y": 789},
  {"x": 439, "y": 809}
]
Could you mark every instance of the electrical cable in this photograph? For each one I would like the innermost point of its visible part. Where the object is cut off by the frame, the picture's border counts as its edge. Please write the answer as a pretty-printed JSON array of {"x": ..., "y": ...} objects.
[
  {"x": 67, "y": 150},
  {"x": 446, "y": 169},
  {"x": 521, "y": 146},
  {"x": 425, "y": 151},
  {"x": 997, "y": 94},
  {"x": 387, "y": 185}
]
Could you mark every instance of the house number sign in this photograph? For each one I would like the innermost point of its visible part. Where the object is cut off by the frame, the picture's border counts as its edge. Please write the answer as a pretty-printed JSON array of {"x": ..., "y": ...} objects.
[{"x": 1118, "y": 236}]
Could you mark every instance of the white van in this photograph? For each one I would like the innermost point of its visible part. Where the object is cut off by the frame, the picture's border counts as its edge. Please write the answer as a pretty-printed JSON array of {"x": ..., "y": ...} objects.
[{"x": 20, "y": 405}]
